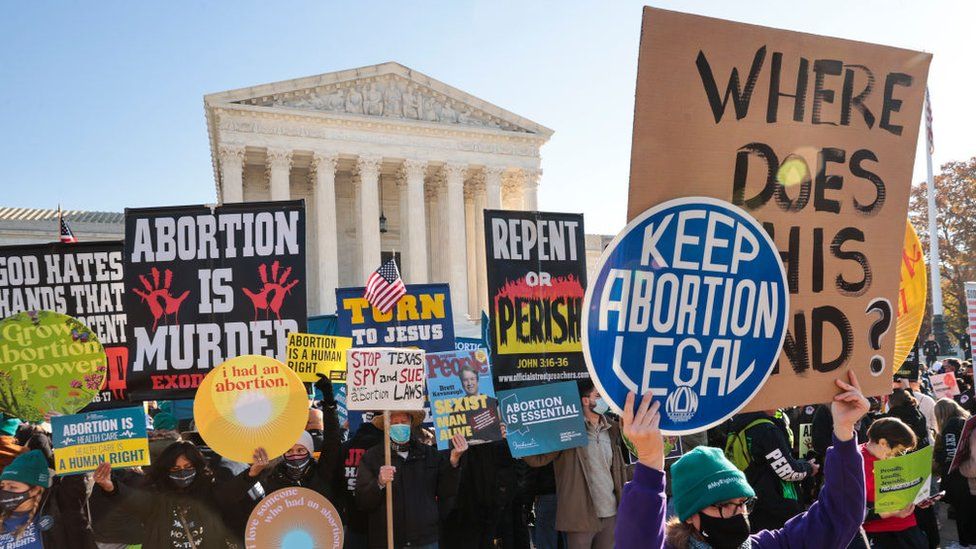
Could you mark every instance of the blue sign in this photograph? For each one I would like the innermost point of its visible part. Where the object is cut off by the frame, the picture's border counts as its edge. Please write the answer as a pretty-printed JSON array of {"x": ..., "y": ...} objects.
[
  {"x": 542, "y": 418},
  {"x": 462, "y": 397},
  {"x": 422, "y": 319},
  {"x": 469, "y": 344},
  {"x": 689, "y": 303}
]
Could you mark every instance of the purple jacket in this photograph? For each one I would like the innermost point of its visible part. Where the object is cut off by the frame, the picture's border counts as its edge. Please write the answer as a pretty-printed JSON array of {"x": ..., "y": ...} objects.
[{"x": 832, "y": 521}]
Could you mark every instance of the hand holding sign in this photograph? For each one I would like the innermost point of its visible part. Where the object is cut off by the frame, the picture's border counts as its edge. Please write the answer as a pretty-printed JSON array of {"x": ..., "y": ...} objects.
[
  {"x": 643, "y": 430},
  {"x": 459, "y": 445},
  {"x": 259, "y": 463},
  {"x": 848, "y": 407},
  {"x": 103, "y": 477}
]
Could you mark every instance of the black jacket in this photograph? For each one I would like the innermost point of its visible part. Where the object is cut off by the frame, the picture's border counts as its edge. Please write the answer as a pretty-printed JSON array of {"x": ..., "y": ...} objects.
[
  {"x": 423, "y": 479},
  {"x": 914, "y": 419},
  {"x": 344, "y": 479},
  {"x": 319, "y": 474},
  {"x": 947, "y": 443},
  {"x": 109, "y": 520},
  {"x": 773, "y": 472},
  {"x": 489, "y": 483}
]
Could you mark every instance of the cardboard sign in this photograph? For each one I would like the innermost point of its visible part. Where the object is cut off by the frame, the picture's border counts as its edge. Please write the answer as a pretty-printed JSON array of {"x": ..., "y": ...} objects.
[
  {"x": 422, "y": 319},
  {"x": 49, "y": 364},
  {"x": 83, "y": 441},
  {"x": 805, "y": 442},
  {"x": 690, "y": 303},
  {"x": 543, "y": 418},
  {"x": 248, "y": 402},
  {"x": 203, "y": 285},
  {"x": 944, "y": 385},
  {"x": 385, "y": 378},
  {"x": 912, "y": 293},
  {"x": 903, "y": 480},
  {"x": 82, "y": 280},
  {"x": 293, "y": 517},
  {"x": 813, "y": 136},
  {"x": 462, "y": 397},
  {"x": 536, "y": 278},
  {"x": 309, "y": 355}
]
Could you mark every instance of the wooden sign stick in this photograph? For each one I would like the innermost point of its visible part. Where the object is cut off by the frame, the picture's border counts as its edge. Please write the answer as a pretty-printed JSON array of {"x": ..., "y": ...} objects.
[{"x": 389, "y": 486}]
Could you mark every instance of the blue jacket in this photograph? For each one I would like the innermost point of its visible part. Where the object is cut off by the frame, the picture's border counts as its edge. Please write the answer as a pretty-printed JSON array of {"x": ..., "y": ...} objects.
[{"x": 832, "y": 521}]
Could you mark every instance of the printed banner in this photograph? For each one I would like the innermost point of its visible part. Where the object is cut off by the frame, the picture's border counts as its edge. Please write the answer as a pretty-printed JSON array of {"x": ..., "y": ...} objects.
[
  {"x": 910, "y": 367},
  {"x": 805, "y": 442},
  {"x": 813, "y": 136},
  {"x": 248, "y": 402},
  {"x": 944, "y": 385},
  {"x": 206, "y": 284},
  {"x": 82, "y": 280},
  {"x": 83, "y": 441},
  {"x": 903, "y": 480},
  {"x": 469, "y": 344},
  {"x": 49, "y": 364},
  {"x": 293, "y": 517},
  {"x": 422, "y": 319},
  {"x": 912, "y": 293},
  {"x": 385, "y": 378},
  {"x": 689, "y": 302},
  {"x": 536, "y": 278},
  {"x": 309, "y": 355},
  {"x": 462, "y": 397},
  {"x": 543, "y": 418},
  {"x": 971, "y": 313}
]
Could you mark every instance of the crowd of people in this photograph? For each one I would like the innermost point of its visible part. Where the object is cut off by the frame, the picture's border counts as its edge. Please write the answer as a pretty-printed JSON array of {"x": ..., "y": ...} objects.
[{"x": 744, "y": 483}]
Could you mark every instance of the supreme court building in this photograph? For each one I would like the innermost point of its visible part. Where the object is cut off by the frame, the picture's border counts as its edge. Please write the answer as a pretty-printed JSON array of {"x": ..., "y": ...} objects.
[{"x": 389, "y": 161}]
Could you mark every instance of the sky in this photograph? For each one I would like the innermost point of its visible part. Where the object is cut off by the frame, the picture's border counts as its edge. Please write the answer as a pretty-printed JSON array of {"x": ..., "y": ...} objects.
[{"x": 104, "y": 100}]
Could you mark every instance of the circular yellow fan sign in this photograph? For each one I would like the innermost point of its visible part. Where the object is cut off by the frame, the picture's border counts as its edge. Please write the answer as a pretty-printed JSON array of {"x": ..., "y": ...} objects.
[
  {"x": 248, "y": 402},
  {"x": 912, "y": 288},
  {"x": 294, "y": 518}
]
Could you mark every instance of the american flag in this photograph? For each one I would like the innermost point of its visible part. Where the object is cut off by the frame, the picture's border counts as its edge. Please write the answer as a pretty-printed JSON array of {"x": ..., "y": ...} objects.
[
  {"x": 928, "y": 123},
  {"x": 385, "y": 287},
  {"x": 66, "y": 235}
]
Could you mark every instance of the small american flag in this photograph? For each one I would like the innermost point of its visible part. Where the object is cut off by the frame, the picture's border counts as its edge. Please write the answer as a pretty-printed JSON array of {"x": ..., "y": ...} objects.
[
  {"x": 929, "y": 136},
  {"x": 385, "y": 287},
  {"x": 66, "y": 235}
]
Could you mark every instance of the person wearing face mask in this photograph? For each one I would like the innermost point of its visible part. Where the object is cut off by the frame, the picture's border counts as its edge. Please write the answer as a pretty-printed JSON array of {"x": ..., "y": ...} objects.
[
  {"x": 589, "y": 479},
  {"x": 889, "y": 437},
  {"x": 712, "y": 498},
  {"x": 423, "y": 480},
  {"x": 34, "y": 516},
  {"x": 299, "y": 468},
  {"x": 181, "y": 503}
]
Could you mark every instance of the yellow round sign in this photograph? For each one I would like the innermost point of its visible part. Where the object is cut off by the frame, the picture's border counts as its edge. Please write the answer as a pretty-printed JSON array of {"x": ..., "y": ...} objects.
[
  {"x": 294, "y": 517},
  {"x": 912, "y": 288},
  {"x": 248, "y": 402}
]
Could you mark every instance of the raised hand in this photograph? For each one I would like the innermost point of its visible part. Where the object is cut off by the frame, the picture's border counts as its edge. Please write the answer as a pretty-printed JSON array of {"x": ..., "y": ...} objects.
[
  {"x": 103, "y": 477},
  {"x": 157, "y": 295},
  {"x": 272, "y": 294},
  {"x": 642, "y": 429},
  {"x": 459, "y": 445},
  {"x": 848, "y": 407},
  {"x": 259, "y": 463}
]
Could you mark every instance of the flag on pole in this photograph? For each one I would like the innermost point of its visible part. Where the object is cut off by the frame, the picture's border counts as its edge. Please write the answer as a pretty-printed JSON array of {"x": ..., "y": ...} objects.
[
  {"x": 930, "y": 138},
  {"x": 385, "y": 287},
  {"x": 66, "y": 235}
]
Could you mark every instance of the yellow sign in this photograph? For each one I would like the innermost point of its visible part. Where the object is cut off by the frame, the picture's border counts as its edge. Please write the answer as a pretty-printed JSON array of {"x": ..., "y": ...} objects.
[
  {"x": 912, "y": 288},
  {"x": 248, "y": 402},
  {"x": 310, "y": 354}
]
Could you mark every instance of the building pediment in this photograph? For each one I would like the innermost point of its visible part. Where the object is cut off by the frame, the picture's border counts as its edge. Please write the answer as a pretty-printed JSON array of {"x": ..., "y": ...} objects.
[{"x": 389, "y": 91}]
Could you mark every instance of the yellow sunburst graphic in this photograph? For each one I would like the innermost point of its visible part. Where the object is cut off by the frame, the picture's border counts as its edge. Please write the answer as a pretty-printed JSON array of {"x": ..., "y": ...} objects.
[
  {"x": 912, "y": 289},
  {"x": 248, "y": 402}
]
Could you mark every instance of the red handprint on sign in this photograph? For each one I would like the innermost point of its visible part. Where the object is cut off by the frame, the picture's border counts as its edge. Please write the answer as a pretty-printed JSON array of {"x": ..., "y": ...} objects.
[
  {"x": 161, "y": 303},
  {"x": 272, "y": 293}
]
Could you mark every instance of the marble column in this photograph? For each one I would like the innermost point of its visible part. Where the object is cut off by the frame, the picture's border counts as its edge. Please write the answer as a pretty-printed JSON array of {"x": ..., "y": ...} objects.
[
  {"x": 492, "y": 200},
  {"x": 455, "y": 237},
  {"x": 367, "y": 188},
  {"x": 231, "y": 173},
  {"x": 434, "y": 232},
  {"x": 279, "y": 171},
  {"x": 471, "y": 244},
  {"x": 416, "y": 221},
  {"x": 326, "y": 232},
  {"x": 530, "y": 189}
]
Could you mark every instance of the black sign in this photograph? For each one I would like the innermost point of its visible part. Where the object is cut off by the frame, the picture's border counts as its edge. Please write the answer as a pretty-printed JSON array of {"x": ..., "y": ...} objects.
[
  {"x": 536, "y": 279},
  {"x": 909, "y": 368},
  {"x": 82, "y": 280},
  {"x": 206, "y": 284}
]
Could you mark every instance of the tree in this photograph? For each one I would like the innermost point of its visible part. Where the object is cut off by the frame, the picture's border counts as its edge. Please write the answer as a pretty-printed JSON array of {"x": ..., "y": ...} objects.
[{"x": 955, "y": 200}]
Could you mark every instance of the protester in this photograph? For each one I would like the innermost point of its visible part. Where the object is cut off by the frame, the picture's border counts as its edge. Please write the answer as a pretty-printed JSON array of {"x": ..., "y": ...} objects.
[
  {"x": 9, "y": 448},
  {"x": 711, "y": 496},
  {"x": 299, "y": 468},
  {"x": 589, "y": 479},
  {"x": 950, "y": 419},
  {"x": 351, "y": 455},
  {"x": 180, "y": 505},
  {"x": 770, "y": 468},
  {"x": 541, "y": 486},
  {"x": 904, "y": 406},
  {"x": 931, "y": 350},
  {"x": 960, "y": 484},
  {"x": 421, "y": 477},
  {"x": 114, "y": 528},
  {"x": 34, "y": 516},
  {"x": 887, "y": 438},
  {"x": 315, "y": 426}
]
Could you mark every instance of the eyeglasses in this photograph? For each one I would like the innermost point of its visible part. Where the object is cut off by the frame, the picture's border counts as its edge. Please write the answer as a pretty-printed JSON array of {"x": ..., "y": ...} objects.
[{"x": 730, "y": 508}]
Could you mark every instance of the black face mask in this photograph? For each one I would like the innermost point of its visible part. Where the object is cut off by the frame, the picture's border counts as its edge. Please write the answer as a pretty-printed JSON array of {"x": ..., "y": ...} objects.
[
  {"x": 295, "y": 468},
  {"x": 725, "y": 533},
  {"x": 183, "y": 478},
  {"x": 12, "y": 500}
]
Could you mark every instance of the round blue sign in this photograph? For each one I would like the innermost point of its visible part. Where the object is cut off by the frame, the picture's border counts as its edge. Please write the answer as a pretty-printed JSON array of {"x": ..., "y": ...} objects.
[{"x": 689, "y": 302}]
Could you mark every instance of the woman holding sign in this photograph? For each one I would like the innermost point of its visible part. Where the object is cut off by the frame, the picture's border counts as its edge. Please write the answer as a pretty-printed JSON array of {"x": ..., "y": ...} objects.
[
  {"x": 711, "y": 496},
  {"x": 182, "y": 506}
]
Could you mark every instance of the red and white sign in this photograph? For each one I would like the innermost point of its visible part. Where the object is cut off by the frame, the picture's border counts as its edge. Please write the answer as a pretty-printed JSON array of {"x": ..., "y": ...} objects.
[{"x": 385, "y": 378}]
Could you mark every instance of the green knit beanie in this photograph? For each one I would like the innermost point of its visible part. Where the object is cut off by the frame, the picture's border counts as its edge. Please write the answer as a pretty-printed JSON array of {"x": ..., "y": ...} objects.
[
  {"x": 703, "y": 477},
  {"x": 30, "y": 468},
  {"x": 8, "y": 425}
]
